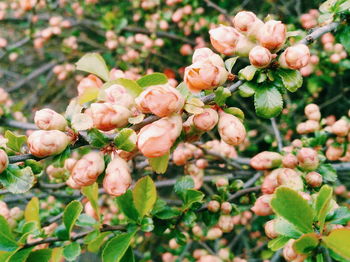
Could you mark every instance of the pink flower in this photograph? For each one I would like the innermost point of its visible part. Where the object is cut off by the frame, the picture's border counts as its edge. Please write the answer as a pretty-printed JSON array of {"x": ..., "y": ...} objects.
[
  {"x": 205, "y": 74},
  {"x": 225, "y": 223},
  {"x": 290, "y": 254},
  {"x": 341, "y": 127},
  {"x": 260, "y": 57},
  {"x": 157, "y": 138},
  {"x": 289, "y": 178},
  {"x": 161, "y": 100},
  {"x": 201, "y": 54},
  {"x": 4, "y": 160},
  {"x": 87, "y": 169},
  {"x": 314, "y": 179},
  {"x": 272, "y": 35},
  {"x": 48, "y": 119},
  {"x": 117, "y": 94},
  {"x": 289, "y": 161},
  {"x": 231, "y": 129},
  {"x": 295, "y": 57},
  {"x": 312, "y": 112},
  {"x": 207, "y": 120},
  {"x": 116, "y": 73},
  {"x": 244, "y": 20},
  {"x": 262, "y": 206},
  {"x": 308, "y": 159},
  {"x": 47, "y": 143},
  {"x": 107, "y": 116},
  {"x": 88, "y": 82},
  {"x": 117, "y": 179},
  {"x": 270, "y": 230},
  {"x": 71, "y": 183}
]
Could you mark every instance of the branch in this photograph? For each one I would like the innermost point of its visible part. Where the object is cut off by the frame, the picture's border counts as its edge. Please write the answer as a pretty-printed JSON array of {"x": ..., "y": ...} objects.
[
  {"x": 318, "y": 32},
  {"x": 277, "y": 134},
  {"x": 220, "y": 10}
]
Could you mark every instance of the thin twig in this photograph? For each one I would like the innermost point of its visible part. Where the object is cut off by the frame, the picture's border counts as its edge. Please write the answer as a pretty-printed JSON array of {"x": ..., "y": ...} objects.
[{"x": 277, "y": 134}]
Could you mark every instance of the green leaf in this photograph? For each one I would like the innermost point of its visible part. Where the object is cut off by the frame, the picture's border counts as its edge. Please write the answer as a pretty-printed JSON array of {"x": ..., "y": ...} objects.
[
  {"x": 94, "y": 245},
  {"x": 144, "y": 195},
  {"x": 287, "y": 229},
  {"x": 131, "y": 86},
  {"x": 341, "y": 216},
  {"x": 95, "y": 64},
  {"x": 71, "y": 251},
  {"x": 247, "y": 89},
  {"x": 288, "y": 204},
  {"x": 192, "y": 196},
  {"x": 152, "y": 80},
  {"x": 7, "y": 241},
  {"x": 126, "y": 139},
  {"x": 15, "y": 142},
  {"x": 126, "y": 204},
  {"x": 247, "y": 73},
  {"x": 85, "y": 220},
  {"x": 183, "y": 89},
  {"x": 328, "y": 172},
  {"x": 5, "y": 228},
  {"x": 182, "y": 185},
  {"x": 229, "y": 63},
  {"x": 31, "y": 212},
  {"x": 70, "y": 215},
  {"x": 306, "y": 243},
  {"x": 57, "y": 254},
  {"x": 237, "y": 112},
  {"x": 322, "y": 205},
  {"x": 277, "y": 243},
  {"x": 147, "y": 224},
  {"x": 159, "y": 164},
  {"x": 292, "y": 79},
  {"x": 268, "y": 102},
  {"x": 17, "y": 180},
  {"x": 338, "y": 241},
  {"x": 29, "y": 228},
  {"x": 221, "y": 94},
  {"x": 319, "y": 257},
  {"x": 58, "y": 160},
  {"x": 163, "y": 211},
  {"x": 89, "y": 94},
  {"x": 42, "y": 255},
  {"x": 128, "y": 256},
  {"x": 117, "y": 247},
  {"x": 96, "y": 138},
  {"x": 344, "y": 37},
  {"x": 21, "y": 255},
  {"x": 91, "y": 192}
]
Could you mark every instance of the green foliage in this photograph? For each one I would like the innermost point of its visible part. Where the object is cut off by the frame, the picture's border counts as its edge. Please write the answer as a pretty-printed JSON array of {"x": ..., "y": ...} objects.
[
  {"x": 152, "y": 80},
  {"x": 15, "y": 142},
  {"x": 96, "y": 138},
  {"x": 71, "y": 251},
  {"x": 338, "y": 241},
  {"x": 17, "y": 180},
  {"x": 159, "y": 164},
  {"x": 268, "y": 102},
  {"x": 91, "y": 192},
  {"x": 144, "y": 195},
  {"x": 126, "y": 139},
  {"x": 306, "y": 243},
  {"x": 116, "y": 248},
  {"x": 31, "y": 213},
  {"x": 93, "y": 63},
  {"x": 322, "y": 205},
  {"x": 70, "y": 216}
]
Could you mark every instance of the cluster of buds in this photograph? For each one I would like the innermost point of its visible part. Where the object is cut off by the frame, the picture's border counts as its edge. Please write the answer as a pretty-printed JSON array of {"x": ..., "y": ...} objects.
[
  {"x": 12, "y": 215},
  {"x": 309, "y": 20},
  {"x": 335, "y": 148},
  {"x": 184, "y": 152},
  {"x": 71, "y": 42},
  {"x": 313, "y": 114},
  {"x": 221, "y": 148},
  {"x": 63, "y": 71}
]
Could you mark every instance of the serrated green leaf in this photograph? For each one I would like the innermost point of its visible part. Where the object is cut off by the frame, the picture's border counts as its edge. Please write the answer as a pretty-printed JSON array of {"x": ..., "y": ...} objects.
[
  {"x": 229, "y": 63},
  {"x": 91, "y": 192},
  {"x": 58, "y": 160},
  {"x": 127, "y": 206},
  {"x": 144, "y": 195},
  {"x": 152, "y": 80},
  {"x": 306, "y": 243},
  {"x": 95, "y": 64},
  {"x": 277, "y": 243},
  {"x": 237, "y": 112},
  {"x": 338, "y": 241},
  {"x": 247, "y": 73},
  {"x": 126, "y": 139},
  {"x": 96, "y": 138},
  {"x": 117, "y": 247},
  {"x": 70, "y": 215},
  {"x": 15, "y": 142},
  {"x": 322, "y": 205},
  {"x": 328, "y": 172},
  {"x": 221, "y": 94},
  {"x": 182, "y": 184},
  {"x": 247, "y": 89},
  {"x": 159, "y": 164},
  {"x": 42, "y": 255},
  {"x": 268, "y": 102},
  {"x": 341, "y": 216},
  {"x": 192, "y": 196},
  {"x": 31, "y": 212},
  {"x": 344, "y": 37},
  {"x": 71, "y": 251},
  {"x": 292, "y": 79},
  {"x": 288, "y": 204},
  {"x": 17, "y": 180}
]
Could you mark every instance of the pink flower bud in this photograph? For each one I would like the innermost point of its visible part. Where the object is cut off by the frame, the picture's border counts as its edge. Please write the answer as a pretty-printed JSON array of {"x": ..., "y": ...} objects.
[
  {"x": 308, "y": 159},
  {"x": 197, "y": 231},
  {"x": 117, "y": 94},
  {"x": 87, "y": 169},
  {"x": 202, "y": 54},
  {"x": 272, "y": 35},
  {"x": 55, "y": 172},
  {"x": 69, "y": 164},
  {"x": 289, "y": 178},
  {"x": 207, "y": 120},
  {"x": 118, "y": 178},
  {"x": 295, "y": 57},
  {"x": 260, "y": 57},
  {"x": 205, "y": 74},
  {"x": 290, "y": 254},
  {"x": 231, "y": 129},
  {"x": 244, "y": 20},
  {"x": 209, "y": 258},
  {"x": 226, "y": 208},
  {"x": 4, "y": 96},
  {"x": 307, "y": 127},
  {"x": 107, "y": 116},
  {"x": 214, "y": 233},
  {"x": 335, "y": 58},
  {"x": 47, "y": 143},
  {"x": 161, "y": 100},
  {"x": 225, "y": 39},
  {"x": 4, "y": 160},
  {"x": 213, "y": 206},
  {"x": 182, "y": 154},
  {"x": 270, "y": 230},
  {"x": 221, "y": 182},
  {"x": 157, "y": 138},
  {"x": 312, "y": 112},
  {"x": 289, "y": 161},
  {"x": 71, "y": 183},
  {"x": 266, "y": 160},
  {"x": 270, "y": 183},
  {"x": 4, "y": 210},
  {"x": 90, "y": 81},
  {"x": 341, "y": 127},
  {"x": 327, "y": 38},
  {"x": 334, "y": 153},
  {"x": 48, "y": 119},
  {"x": 314, "y": 179},
  {"x": 262, "y": 206},
  {"x": 186, "y": 50},
  {"x": 3, "y": 42},
  {"x": 225, "y": 223}
]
